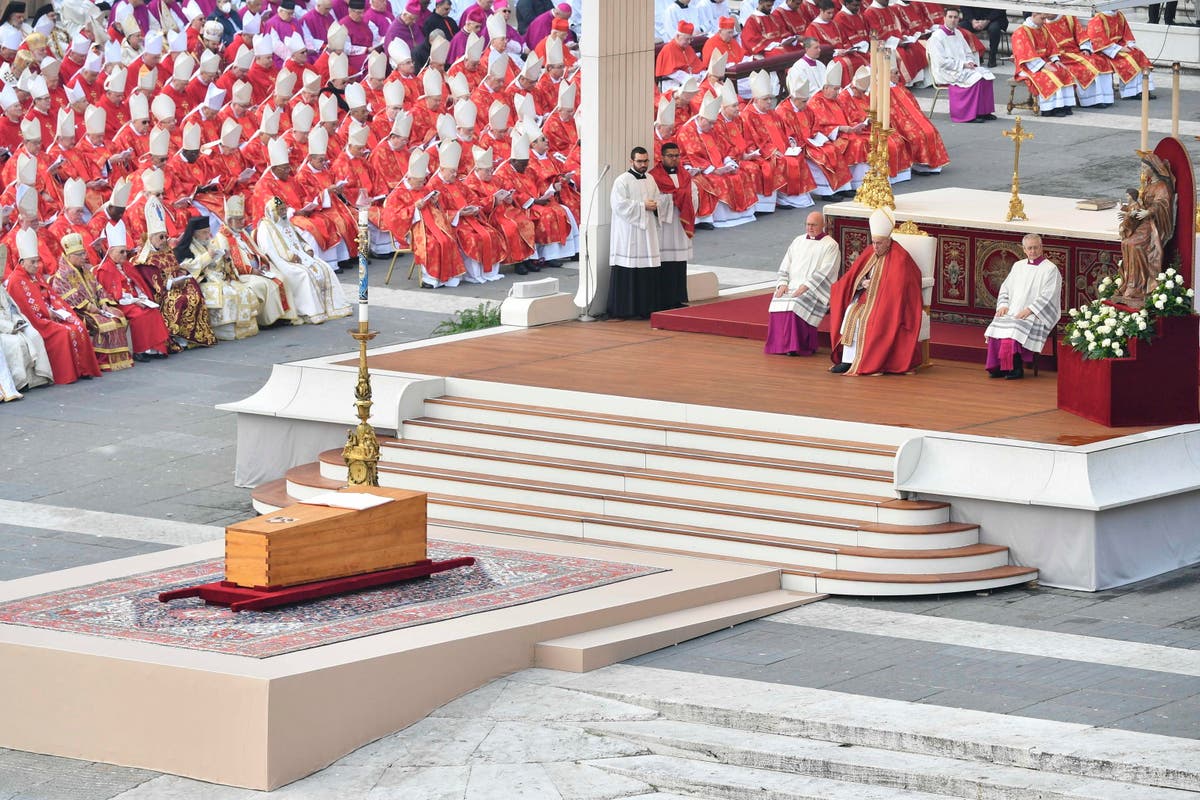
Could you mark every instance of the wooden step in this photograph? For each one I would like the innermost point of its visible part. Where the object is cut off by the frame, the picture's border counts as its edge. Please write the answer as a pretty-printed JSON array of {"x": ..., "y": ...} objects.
[
  {"x": 663, "y": 432},
  {"x": 583, "y": 652},
  {"x": 847, "y": 506},
  {"x": 773, "y": 494},
  {"x": 631, "y": 453}
]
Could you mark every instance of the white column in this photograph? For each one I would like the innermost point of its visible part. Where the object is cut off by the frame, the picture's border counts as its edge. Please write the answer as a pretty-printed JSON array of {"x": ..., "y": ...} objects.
[{"x": 616, "y": 113}]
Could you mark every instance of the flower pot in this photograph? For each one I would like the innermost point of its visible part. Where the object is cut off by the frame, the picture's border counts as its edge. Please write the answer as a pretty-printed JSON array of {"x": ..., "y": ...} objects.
[{"x": 1158, "y": 383}]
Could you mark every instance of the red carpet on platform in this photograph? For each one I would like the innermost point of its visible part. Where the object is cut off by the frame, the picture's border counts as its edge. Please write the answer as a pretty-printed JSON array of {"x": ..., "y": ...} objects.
[
  {"x": 745, "y": 317},
  {"x": 128, "y": 608}
]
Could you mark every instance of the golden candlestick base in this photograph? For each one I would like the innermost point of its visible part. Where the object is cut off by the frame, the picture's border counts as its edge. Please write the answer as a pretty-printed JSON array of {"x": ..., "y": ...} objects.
[
  {"x": 1016, "y": 208},
  {"x": 361, "y": 452},
  {"x": 876, "y": 189}
]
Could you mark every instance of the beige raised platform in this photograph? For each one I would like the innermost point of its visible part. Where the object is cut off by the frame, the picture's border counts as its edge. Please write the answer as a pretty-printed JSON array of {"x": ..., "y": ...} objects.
[
  {"x": 262, "y": 723},
  {"x": 976, "y": 208},
  {"x": 305, "y": 543}
]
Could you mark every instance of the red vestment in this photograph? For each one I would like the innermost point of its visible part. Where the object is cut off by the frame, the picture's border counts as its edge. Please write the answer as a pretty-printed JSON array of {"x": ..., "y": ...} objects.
[
  {"x": 477, "y": 238},
  {"x": 925, "y": 144},
  {"x": 551, "y": 224},
  {"x": 1030, "y": 44},
  {"x": 433, "y": 246},
  {"x": 704, "y": 150},
  {"x": 680, "y": 189},
  {"x": 767, "y": 133},
  {"x": 674, "y": 58},
  {"x": 766, "y": 172},
  {"x": 514, "y": 223},
  {"x": 1066, "y": 33},
  {"x": 831, "y": 36},
  {"x": 760, "y": 32},
  {"x": 67, "y": 340},
  {"x": 828, "y": 158},
  {"x": 1105, "y": 30},
  {"x": 856, "y": 106},
  {"x": 827, "y": 116},
  {"x": 733, "y": 50},
  {"x": 146, "y": 326},
  {"x": 885, "y": 23},
  {"x": 890, "y": 309},
  {"x": 182, "y": 303}
]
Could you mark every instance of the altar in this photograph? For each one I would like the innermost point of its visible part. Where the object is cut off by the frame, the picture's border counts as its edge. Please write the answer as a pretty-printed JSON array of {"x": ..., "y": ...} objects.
[{"x": 977, "y": 248}]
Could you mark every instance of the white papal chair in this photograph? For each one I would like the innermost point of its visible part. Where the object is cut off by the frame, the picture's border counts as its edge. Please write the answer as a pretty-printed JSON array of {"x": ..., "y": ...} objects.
[{"x": 923, "y": 249}]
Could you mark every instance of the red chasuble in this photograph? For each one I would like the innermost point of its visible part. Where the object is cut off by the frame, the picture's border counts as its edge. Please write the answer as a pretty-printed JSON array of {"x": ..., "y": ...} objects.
[
  {"x": 67, "y": 340},
  {"x": 856, "y": 107},
  {"x": 1066, "y": 34},
  {"x": 146, "y": 326},
  {"x": 427, "y": 229},
  {"x": 1105, "y": 30},
  {"x": 925, "y": 144},
  {"x": 769, "y": 137},
  {"x": 681, "y": 195},
  {"x": 891, "y": 312},
  {"x": 766, "y": 172},
  {"x": 1030, "y": 44},
  {"x": 511, "y": 220},
  {"x": 551, "y": 225},
  {"x": 703, "y": 150},
  {"x": 798, "y": 122},
  {"x": 673, "y": 58}
]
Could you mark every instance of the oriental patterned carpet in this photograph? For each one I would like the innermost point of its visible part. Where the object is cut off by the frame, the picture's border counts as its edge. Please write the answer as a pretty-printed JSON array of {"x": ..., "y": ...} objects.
[{"x": 128, "y": 608}]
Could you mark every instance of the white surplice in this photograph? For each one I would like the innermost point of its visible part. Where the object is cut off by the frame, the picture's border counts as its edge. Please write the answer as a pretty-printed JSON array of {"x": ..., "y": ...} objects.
[
  {"x": 23, "y": 348},
  {"x": 1037, "y": 287},
  {"x": 633, "y": 239},
  {"x": 813, "y": 263}
]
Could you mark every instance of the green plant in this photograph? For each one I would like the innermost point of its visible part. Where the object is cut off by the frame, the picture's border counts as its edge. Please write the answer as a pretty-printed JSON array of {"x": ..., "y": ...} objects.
[{"x": 484, "y": 315}]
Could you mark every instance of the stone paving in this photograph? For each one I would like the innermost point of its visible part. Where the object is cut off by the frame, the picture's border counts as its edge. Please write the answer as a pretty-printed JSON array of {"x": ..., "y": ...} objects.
[{"x": 148, "y": 443}]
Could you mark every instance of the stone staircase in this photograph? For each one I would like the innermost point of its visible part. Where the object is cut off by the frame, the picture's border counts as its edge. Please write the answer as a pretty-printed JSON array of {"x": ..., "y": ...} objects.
[{"x": 824, "y": 511}]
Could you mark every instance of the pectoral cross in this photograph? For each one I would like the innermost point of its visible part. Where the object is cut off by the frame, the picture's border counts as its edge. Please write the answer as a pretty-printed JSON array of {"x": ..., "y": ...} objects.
[{"x": 1016, "y": 209}]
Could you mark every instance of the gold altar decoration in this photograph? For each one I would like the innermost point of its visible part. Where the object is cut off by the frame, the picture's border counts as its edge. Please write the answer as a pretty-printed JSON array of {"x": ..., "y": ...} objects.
[
  {"x": 361, "y": 452},
  {"x": 909, "y": 228},
  {"x": 1016, "y": 209},
  {"x": 876, "y": 189}
]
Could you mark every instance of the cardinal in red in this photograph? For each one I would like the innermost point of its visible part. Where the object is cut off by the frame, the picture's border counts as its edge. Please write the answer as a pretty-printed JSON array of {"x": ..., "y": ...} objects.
[{"x": 875, "y": 308}]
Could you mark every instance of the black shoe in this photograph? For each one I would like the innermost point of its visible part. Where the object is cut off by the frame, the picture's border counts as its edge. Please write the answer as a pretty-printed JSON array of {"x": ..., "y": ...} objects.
[
  {"x": 839, "y": 368},
  {"x": 521, "y": 269},
  {"x": 991, "y": 62},
  {"x": 552, "y": 263},
  {"x": 996, "y": 373},
  {"x": 1153, "y": 96},
  {"x": 705, "y": 226},
  {"x": 989, "y": 116},
  {"x": 849, "y": 194},
  {"x": 1068, "y": 112},
  {"x": 534, "y": 267},
  {"x": 1018, "y": 371},
  {"x": 141, "y": 358},
  {"x": 977, "y": 119}
]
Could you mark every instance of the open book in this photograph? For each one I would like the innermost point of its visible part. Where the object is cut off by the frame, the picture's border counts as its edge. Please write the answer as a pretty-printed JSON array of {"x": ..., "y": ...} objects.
[{"x": 352, "y": 500}]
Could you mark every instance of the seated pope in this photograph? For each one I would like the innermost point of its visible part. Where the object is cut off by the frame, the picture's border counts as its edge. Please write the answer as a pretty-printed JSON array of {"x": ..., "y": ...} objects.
[
  {"x": 875, "y": 308},
  {"x": 1028, "y": 306}
]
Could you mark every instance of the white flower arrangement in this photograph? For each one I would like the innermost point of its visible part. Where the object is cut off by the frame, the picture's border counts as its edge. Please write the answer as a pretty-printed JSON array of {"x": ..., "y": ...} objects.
[{"x": 1100, "y": 330}]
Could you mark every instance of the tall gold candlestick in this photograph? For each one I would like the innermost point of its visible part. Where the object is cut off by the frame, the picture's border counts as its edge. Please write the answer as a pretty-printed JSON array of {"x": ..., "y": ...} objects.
[
  {"x": 1016, "y": 208},
  {"x": 876, "y": 189},
  {"x": 361, "y": 452},
  {"x": 873, "y": 101}
]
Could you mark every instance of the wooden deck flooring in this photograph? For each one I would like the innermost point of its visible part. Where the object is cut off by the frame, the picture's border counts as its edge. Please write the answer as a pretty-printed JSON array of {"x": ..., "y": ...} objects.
[{"x": 631, "y": 359}]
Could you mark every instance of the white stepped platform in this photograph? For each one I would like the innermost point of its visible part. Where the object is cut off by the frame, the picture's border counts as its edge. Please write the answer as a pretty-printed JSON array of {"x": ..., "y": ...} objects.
[
  {"x": 979, "y": 738},
  {"x": 874, "y": 766}
]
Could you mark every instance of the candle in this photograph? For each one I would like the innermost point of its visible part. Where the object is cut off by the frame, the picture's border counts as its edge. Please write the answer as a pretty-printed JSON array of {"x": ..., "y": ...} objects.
[
  {"x": 1175, "y": 100},
  {"x": 885, "y": 95},
  {"x": 1145, "y": 110},
  {"x": 874, "y": 99},
  {"x": 362, "y": 267}
]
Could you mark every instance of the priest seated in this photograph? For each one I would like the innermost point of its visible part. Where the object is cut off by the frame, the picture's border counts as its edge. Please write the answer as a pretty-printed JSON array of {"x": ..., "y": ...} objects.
[
  {"x": 875, "y": 308},
  {"x": 802, "y": 294},
  {"x": 954, "y": 65},
  {"x": 1028, "y": 307}
]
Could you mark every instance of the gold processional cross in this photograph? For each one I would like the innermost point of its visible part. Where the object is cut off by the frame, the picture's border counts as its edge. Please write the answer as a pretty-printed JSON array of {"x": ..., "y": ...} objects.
[{"x": 1016, "y": 209}]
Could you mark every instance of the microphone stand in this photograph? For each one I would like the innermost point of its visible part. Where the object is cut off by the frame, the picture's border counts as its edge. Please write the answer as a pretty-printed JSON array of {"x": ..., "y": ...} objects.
[{"x": 583, "y": 265}]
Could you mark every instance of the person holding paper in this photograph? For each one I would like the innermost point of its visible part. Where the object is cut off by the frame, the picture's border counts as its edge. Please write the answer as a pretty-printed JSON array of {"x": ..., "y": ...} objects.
[
  {"x": 888, "y": 26},
  {"x": 677, "y": 60},
  {"x": 412, "y": 211},
  {"x": 762, "y": 33},
  {"x": 765, "y": 171},
  {"x": 801, "y": 298},
  {"x": 829, "y": 36},
  {"x": 1112, "y": 39},
  {"x": 855, "y": 102},
  {"x": 954, "y": 65},
  {"x": 64, "y": 334},
  {"x": 147, "y": 328},
  {"x": 771, "y": 141},
  {"x": 849, "y": 136},
  {"x": 556, "y": 233},
  {"x": 483, "y": 246},
  {"x": 856, "y": 33},
  {"x": 175, "y": 290},
  {"x": 829, "y": 171},
  {"x": 358, "y": 181},
  {"x": 75, "y": 283},
  {"x": 727, "y": 194},
  {"x": 502, "y": 212}
]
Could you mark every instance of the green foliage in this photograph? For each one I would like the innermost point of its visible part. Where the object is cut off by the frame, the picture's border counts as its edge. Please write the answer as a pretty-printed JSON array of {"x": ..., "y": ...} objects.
[{"x": 485, "y": 315}]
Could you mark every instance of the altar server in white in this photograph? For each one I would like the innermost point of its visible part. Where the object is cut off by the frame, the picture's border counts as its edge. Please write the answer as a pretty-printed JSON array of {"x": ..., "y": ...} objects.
[
  {"x": 1028, "y": 306},
  {"x": 954, "y": 65},
  {"x": 801, "y": 296},
  {"x": 634, "y": 250}
]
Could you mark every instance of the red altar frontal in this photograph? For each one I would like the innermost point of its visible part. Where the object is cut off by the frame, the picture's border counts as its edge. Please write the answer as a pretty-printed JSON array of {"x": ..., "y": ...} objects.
[{"x": 976, "y": 248}]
